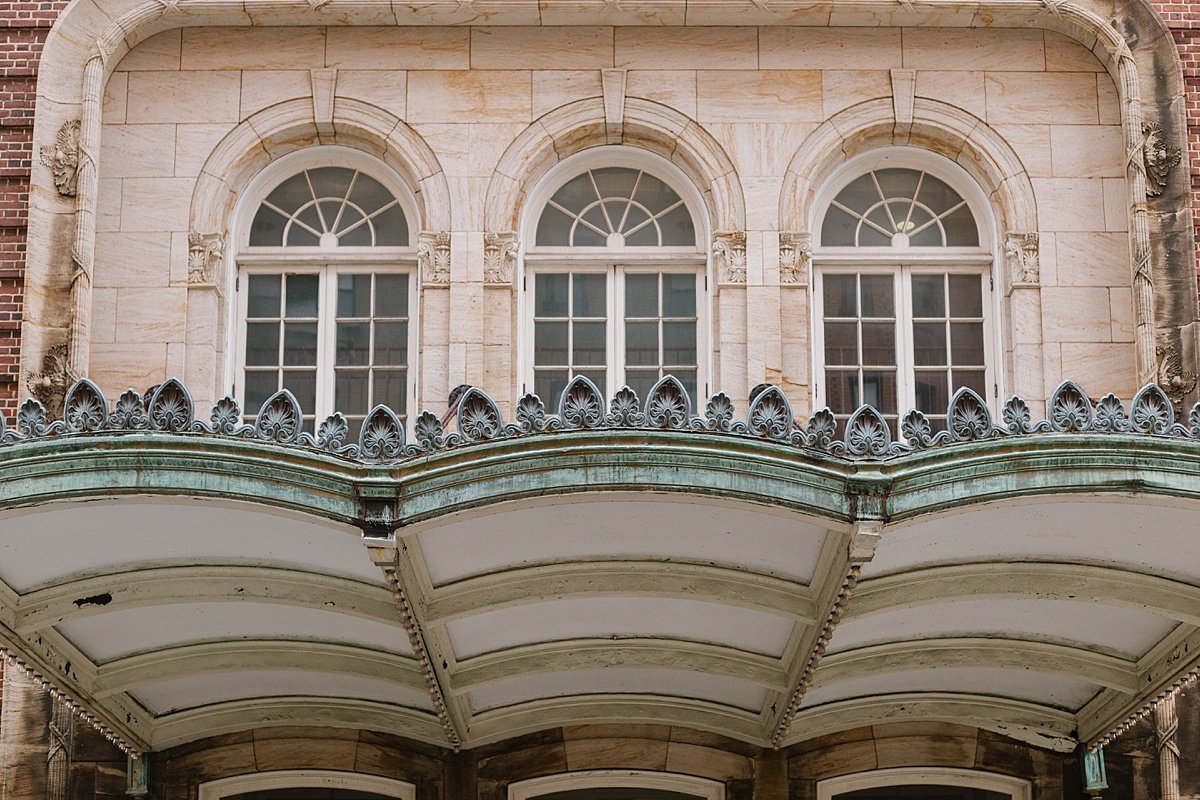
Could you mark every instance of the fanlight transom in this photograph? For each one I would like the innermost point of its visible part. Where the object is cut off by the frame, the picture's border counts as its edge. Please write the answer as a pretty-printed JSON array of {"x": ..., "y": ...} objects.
[
  {"x": 330, "y": 207},
  {"x": 616, "y": 207},
  {"x": 899, "y": 207}
]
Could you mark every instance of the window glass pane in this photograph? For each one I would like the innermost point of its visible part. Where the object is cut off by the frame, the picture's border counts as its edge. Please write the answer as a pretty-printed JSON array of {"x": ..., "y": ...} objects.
[
  {"x": 369, "y": 194},
  {"x": 350, "y": 391},
  {"x": 641, "y": 343},
  {"x": 390, "y": 389},
  {"x": 860, "y": 194},
  {"x": 589, "y": 295},
  {"x": 840, "y": 295},
  {"x": 688, "y": 378},
  {"x": 391, "y": 295},
  {"x": 353, "y": 343},
  {"x": 554, "y": 228},
  {"x": 838, "y": 228},
  {"x": 267, "y": 228},
  {"x": 870, "y": 209},
  {"x": 974, "y": 380},
  {"x": 391, "y": 343},
  {"x": 354, "y": 296},
  {"x": 259, "y": 386},
  {"x": 583, "y": 236},
  {"x": 589, "y": 343},
  {"x": 841, "y": 391},
  {"x": 931, "y": 236},
  {"x": 677, "y": 228},
  {"x": 879, "y": 390},
  {"x": 550, "y": 293},
  {"x": 596, "y": 376},
  {"x": 966, "y": 298},
  {"x": 549, "y": 386},
  {"x": 961, "y": 229},
  {"x": 641, "y": 381},
  {"x": 679, "y": 294},
  {"x": 932, "y": 392},
  {"x": 655, "y": 195},
  {"x": 679, "y": 343},
  {"x": 303, "y": 384},
  {"x": 929, "y": 343},
  {"x": 937, "y": 195},
  {"x": 300, "y": 344},
  {"x": 338, "y": 202},
  {"x": 291, "y": 194},
  {"x": 879, "y": 343},
  {"x": 841, "y": 343},
  {"x": 897, "y": 182},
  {"x": 966, "y": 343},
  {"x": 331, "y": 181},
  {"x": 302, "y": 295},
  {"x": 870, "y": 237},
  {"x": 877, "y": 299},
  {"x": 262, "y": 344},
  {"x": 360, "y": 236},
  {"x": 391, "y": 228},
  {"x": 301, "y": 237},
  {"x": 263, "y": 296},
  {"x": 928, "y": 295},
  {"x": 616, "y": 181},
  {"x": 645, "y": 236},
  {"x": 577, "y": 193},
  {"x": 641, "y": 295},
  {"x": 550, "y": 343}
]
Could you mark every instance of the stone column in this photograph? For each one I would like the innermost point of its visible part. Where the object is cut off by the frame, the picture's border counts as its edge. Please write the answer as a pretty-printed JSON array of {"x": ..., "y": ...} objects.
[
  {"x": 25, "y": 740},
  {"x": 1166, "y": 724}
]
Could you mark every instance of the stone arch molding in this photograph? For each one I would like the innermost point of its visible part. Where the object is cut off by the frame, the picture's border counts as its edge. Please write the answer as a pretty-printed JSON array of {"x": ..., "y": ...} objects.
[
  {"x": 646, "y": 125},
  {"x": 935, "y": 126},
  {"x": 290, "y": 126}
]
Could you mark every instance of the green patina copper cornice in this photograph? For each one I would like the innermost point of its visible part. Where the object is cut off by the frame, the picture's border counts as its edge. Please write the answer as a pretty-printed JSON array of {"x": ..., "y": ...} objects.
[{"x": 382, "y": 482}]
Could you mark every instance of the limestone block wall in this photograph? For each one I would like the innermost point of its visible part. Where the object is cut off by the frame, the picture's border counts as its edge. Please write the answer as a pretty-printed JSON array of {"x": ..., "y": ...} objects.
[{"x": 760, "y": 93}]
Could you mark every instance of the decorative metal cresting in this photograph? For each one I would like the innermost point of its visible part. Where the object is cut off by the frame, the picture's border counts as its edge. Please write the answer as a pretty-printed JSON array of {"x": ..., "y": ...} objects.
[{"x": 382, "y": 438}]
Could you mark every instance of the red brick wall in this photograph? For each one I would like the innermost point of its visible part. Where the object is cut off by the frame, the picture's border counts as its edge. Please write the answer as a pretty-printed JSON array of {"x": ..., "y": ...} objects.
[{"x": 23, "y": 29}]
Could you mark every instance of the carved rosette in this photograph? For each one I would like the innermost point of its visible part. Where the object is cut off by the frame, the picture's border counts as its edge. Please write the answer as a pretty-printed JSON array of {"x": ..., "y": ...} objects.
[
  {"x": 63, "y": 158},
  {"x": 433, "y": 257},
  {"x": 795, "y": 256},
  {"x": 1158, "y": 158},
  {"x": 1021, "y": 259},
  {"x": 729, "y": 250},
  {"x": 205, "y": 251},
  {"x": 499, "y": 258}
]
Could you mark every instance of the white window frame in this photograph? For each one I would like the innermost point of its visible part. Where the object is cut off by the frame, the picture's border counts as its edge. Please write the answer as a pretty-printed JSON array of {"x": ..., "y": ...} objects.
[
  {"x": 307, "y": 779},
  {"x": 701, "y": 788},
  {"x": 616, "y": 263},
  {"x": 1016, "y": 788},
  {"x": 327, "y": 262},
  {"x": 326, "y": 330},
  {"x": 903, "y": 262}
]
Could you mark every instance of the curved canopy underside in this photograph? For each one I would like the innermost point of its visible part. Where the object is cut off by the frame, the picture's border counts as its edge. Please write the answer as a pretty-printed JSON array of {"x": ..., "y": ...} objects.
[{"x": 186, "y": 584}]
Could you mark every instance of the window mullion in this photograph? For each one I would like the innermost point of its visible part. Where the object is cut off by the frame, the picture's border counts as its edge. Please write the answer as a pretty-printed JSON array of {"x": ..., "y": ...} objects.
[
  {"x": 614, "y": 308},
  {"x": 326, "y": 350},
  {"x": 906, "y": 377}
]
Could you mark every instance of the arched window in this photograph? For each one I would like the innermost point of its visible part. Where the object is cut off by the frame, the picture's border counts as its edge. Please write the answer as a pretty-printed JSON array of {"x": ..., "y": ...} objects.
[
  {"x": 902, "y": 293},
  {"x": 326, "y": 286},
  {"x": 935, "y": 783},
  {"x": 615, "y": 276}
]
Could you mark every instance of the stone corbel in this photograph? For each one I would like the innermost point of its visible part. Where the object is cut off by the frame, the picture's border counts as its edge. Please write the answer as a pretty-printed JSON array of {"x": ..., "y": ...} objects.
[
  {"x": 1021, "y": 259},
  {"x": 729, "y": 250},
  {"x": 795, "y": 256},
  {"x": 63, "y": 158},
  {"x": 499, "y": 258},
  {"x": 1158, "y": 158},
  {"x": 205, "y": 251},
  {"x": 433, "y": 257}
]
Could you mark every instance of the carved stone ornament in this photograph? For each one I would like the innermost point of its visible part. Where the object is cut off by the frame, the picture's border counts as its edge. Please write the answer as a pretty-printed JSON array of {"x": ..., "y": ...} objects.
[
  {"x": 730, "y": 251},
  {"x": 1172, "y": 377},
  {"x": 205, "y": 251},
  {"x": 58, "y": 756},
  {"x": 50, "y": 385},
  {"x": 1158, "y": 157},
  {"x": 795, "y": 256},
  {"x": 1021, "y": 259},
  {"x": 433, "y": 256},
  {"x": 499, "y": 257},
  {"x": 63, "y": 158}
]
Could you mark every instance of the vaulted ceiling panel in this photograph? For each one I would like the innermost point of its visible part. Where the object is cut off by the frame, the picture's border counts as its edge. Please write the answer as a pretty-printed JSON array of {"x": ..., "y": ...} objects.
[
  {"x": 662, "y": 682},
  {"x": 619, "y": 618},
  {"x": 753, "y": 539},
  {"x": 107, "y": 636}
]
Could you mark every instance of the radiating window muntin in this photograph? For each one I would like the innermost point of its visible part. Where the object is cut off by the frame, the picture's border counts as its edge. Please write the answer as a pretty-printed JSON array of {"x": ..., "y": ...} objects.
[
  {"x": 328, "y": 207},
  {"x": 615, "y": 207},
  {"x": 326, "y": 290},
  {"x": 899, "y": 207}
]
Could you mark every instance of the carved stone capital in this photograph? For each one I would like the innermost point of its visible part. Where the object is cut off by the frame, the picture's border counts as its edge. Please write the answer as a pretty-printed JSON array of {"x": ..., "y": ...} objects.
[
  {"x": 499, "y": 258},
  {"x": 63, "y": 158},
  {"x": 205, "y": 251},
  {"x": 729, "y": 250},
  {"x": 795, "y": 256},
  {"x": 433, "y": 257},
  {"x": 1021, "y": 259},
  {"x": 1158, "y": 158},
  {"x": 50, "y": 385}
]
